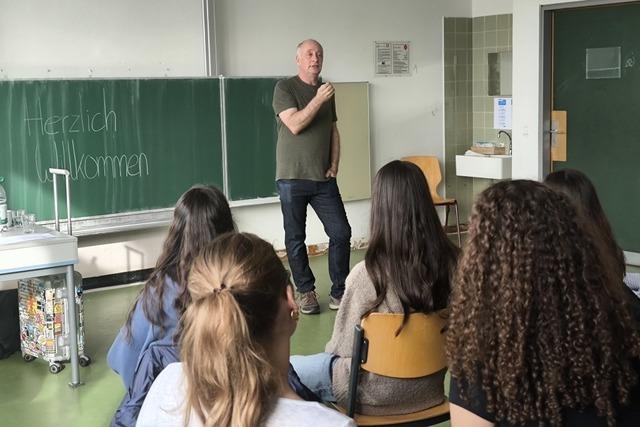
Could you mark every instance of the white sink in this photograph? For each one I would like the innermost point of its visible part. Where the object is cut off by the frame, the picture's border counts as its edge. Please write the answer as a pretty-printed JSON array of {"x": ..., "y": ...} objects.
[{"x": 497, "y": 166}]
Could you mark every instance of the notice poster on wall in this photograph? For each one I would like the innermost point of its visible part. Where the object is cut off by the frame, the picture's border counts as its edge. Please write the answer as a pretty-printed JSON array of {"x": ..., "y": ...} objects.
[
  {"x": 502, "y": 113},
  {"x": 392, "y": 58}
]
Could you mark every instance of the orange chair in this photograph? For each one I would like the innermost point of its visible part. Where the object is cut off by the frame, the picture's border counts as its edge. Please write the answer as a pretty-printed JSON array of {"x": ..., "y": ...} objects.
[
  {"x": 417, "y": 351},
  {"x": 431, "y": 169}
]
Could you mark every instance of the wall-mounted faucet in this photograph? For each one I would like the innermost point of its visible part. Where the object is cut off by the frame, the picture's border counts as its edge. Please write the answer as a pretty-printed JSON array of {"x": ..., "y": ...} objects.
[{"x": 500, "y": 132}]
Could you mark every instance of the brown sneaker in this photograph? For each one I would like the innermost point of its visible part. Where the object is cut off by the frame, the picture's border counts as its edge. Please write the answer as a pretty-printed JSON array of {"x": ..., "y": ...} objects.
[{"x": 308, "y": 303}]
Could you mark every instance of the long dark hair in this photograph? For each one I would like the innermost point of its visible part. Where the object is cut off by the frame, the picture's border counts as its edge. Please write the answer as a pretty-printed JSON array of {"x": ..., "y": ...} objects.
[
  {"x": 580, "y": 190},
  {"x": 408, "y": 249},
  {"x": 238, "y": 285},
  {"x": 201, "y": 214},
  {"x": 532, "y": 323}
]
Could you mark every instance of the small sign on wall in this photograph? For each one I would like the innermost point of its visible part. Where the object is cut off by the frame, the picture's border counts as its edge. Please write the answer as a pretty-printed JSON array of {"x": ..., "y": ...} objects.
[
  {"x": 502, "y": 113},
  {"x": 392, "y": 58}
]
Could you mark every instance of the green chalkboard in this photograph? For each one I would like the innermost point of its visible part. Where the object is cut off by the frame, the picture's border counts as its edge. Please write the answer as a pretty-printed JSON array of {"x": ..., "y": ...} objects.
[
  {"x": 251, "y": 137},
  {"x": 603, "y": 130},
  {"x": 130, "y": 145}
]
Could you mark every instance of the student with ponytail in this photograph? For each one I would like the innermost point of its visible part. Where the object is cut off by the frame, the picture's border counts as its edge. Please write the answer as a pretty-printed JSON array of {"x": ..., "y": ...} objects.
[{"x": 235, "y": 346}]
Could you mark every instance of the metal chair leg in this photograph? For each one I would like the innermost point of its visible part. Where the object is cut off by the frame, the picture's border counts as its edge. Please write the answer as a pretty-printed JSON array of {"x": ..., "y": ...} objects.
[
  {"x": 446, "y": 217},
  {"x": 458, "y": 224}
]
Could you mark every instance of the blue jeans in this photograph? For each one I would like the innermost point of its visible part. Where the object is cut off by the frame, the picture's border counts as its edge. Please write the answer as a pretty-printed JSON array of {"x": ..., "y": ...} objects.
[
  {"x": 324, "y": 197},
  {"x": 315, "y": 372}
]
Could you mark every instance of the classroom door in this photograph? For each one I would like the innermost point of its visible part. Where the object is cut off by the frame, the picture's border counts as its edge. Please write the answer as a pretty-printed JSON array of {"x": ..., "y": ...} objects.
[{"x": 596, "y": 81}]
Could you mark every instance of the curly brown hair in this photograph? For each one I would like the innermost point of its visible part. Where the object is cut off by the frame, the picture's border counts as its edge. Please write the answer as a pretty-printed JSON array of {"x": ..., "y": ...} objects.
[{"x": 532, "y": 324}]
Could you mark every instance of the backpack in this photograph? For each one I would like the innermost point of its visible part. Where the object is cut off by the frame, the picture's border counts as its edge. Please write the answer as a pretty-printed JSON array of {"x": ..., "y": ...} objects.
[{"x": 9, "y": 323}]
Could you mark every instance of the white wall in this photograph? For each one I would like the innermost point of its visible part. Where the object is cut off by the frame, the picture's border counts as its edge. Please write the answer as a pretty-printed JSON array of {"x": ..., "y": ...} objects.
[
  {"x": 115, "y": 38},
  {"x": 406, "y": 112},
  {"x": 491, "y": 7},
  {"x": 152, "y": 38}
]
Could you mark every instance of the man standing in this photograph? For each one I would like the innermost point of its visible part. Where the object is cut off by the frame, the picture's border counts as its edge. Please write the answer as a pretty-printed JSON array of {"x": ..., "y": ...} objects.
[{"x": 307, "y": 157}]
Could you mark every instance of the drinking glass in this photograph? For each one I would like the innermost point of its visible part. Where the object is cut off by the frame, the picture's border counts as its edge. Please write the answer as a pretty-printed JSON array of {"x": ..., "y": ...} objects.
[
  {"x": 19, "y": 217},
  {"x": 29, "y": 223}
]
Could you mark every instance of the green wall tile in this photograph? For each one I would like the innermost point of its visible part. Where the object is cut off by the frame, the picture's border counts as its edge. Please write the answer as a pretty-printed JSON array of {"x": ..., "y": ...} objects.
[
  {"x": 461, "y": 88},
  {"x": 477, "y": 40},
  {"x": 491, "y": 39},
  {"x": 488, "y": 120},
  {"x": 503, "y": 22},
  {"x": 449, "y": 25},
  {"x": 479, "y": 56},
  {"x": 490, "y": 22},
  {"x": 463, "y": 25},
  {"x": 462, "y": 40},
  {"x": 449, "y": 41},
  {"x": 449, "y": 89},
  {"x": 477, "y": 25},
  {"x": 449, "y": 75},
  {"x": 503, "y": 38}
]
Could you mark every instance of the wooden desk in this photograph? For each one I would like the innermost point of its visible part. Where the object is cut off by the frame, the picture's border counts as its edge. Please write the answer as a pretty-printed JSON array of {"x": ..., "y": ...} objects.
[{"x": 43, "y": 253}]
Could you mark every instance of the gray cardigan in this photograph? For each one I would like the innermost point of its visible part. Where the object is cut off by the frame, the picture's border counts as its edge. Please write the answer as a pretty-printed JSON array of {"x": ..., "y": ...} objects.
[{"x": 378, "y": 395}]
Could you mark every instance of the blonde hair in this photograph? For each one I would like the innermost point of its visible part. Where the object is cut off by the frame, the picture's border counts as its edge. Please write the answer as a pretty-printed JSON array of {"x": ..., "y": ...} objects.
[{"x": 236, "y": 285}]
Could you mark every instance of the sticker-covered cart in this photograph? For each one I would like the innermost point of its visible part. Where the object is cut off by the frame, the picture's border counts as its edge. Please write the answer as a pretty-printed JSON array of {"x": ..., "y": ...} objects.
[{"x": 44, "y": 320}]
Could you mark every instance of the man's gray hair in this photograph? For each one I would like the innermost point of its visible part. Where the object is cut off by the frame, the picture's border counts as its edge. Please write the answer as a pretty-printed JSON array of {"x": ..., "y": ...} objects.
[{"x": 308, "y": 41}]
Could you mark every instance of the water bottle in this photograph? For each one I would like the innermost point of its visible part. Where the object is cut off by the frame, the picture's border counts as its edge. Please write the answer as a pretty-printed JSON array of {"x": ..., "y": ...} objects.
[{"x": 3, "y": 204}]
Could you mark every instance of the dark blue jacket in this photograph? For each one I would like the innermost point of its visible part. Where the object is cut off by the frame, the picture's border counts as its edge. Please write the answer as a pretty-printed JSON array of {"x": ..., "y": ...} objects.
[
  {"x": 153, "y": 360},
  {"x": 125, "y": 354}
]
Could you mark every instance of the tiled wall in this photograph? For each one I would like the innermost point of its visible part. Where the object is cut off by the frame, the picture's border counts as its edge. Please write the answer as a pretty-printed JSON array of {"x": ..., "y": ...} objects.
[
  {"x": 468, "y": 107},
  {"x": 489, "y": 34},
  {"x": 458, "y": 118}
]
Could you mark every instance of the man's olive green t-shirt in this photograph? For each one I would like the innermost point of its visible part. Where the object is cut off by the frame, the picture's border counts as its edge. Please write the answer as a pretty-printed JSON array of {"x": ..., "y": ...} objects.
[{"x": 306, "y": 155}]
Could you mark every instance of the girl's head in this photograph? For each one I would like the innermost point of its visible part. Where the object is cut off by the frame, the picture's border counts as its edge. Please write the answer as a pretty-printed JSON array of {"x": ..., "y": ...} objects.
[
  {"x": 401, "y": 201},
  {"x": 580, "y": 190},
  {"x": 531, "y": 323},
  {"x": 201, "y": 214},
  {"x": 242, "y": 305},
  {"x": 408, "y": 249}
]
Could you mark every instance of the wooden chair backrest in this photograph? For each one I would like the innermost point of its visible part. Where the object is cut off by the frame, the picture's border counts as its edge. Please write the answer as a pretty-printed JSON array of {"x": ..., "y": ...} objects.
[
  {"x": 430, "y": 166},
  {"x": 417, "y": 351}
]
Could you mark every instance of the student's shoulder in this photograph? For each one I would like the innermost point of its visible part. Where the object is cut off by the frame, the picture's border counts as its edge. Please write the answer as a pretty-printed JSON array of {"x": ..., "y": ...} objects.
[
  {"x": 359, "y": 270},
  {"x": 171, "y": 375},
  {"x": 358, "y": 276},
  {"x": 164, "y": 404},
  {"x": 289, "y": 412}
]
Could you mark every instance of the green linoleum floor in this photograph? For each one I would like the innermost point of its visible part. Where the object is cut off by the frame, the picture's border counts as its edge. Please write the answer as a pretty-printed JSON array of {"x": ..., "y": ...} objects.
[{"x": 32, "y": 397}]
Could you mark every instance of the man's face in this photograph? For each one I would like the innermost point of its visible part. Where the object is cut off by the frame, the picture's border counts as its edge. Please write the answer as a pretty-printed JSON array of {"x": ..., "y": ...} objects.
[{"x": 309, "y": 59}]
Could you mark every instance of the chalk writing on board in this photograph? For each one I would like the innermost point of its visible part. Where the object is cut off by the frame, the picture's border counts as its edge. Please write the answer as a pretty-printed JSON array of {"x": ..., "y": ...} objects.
[
  {"x": 84, "y": 121},
  {"x": 63, "y": 155}
]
